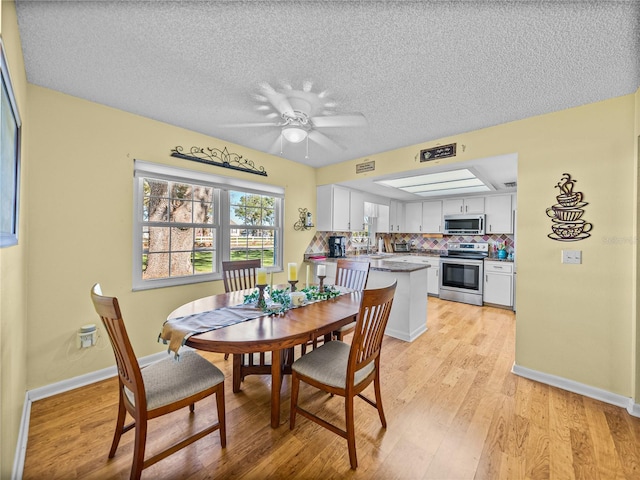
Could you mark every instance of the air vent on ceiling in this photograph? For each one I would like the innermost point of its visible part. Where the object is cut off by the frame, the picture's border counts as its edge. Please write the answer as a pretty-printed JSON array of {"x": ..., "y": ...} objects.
[{"x": 510, "y": 184}]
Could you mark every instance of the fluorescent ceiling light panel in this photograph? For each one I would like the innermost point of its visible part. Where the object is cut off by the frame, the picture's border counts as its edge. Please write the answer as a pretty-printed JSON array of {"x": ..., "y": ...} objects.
[
  {"x": 430, "y": 187},
  {"x": 428, "y": 179},
  {"x": 454, "y": 182},
  {"x": 454, "y": 191}
]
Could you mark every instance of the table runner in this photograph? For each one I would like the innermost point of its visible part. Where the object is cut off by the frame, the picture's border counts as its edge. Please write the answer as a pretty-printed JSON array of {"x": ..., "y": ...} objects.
[{"x": 177, "y": 331}]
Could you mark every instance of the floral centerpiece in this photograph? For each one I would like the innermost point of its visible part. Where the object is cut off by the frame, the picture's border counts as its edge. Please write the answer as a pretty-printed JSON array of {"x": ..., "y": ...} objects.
[{"x": 280, "y": 301}]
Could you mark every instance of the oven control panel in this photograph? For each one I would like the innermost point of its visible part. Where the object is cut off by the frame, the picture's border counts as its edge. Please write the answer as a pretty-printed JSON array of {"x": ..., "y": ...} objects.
[{"x": 481, "y": 248}]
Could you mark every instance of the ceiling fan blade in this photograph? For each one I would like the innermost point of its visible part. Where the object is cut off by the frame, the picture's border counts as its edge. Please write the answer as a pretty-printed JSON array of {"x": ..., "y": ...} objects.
[
  {"x": 255, "y": 124},
  {"x": 279, "y": 100},
  {"x": 325, "y": 142},
  {"x": 352, "y": 120}
]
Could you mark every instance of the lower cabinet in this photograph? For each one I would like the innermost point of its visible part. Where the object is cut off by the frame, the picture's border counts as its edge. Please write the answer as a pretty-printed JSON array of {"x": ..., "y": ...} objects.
[
  {"x": 433, "y": 273},
  {"x": 498, "y": 283}
]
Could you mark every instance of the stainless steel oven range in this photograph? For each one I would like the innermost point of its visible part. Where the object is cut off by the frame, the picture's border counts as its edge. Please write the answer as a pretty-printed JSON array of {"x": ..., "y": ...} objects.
[{"x": 461, "y": 272}]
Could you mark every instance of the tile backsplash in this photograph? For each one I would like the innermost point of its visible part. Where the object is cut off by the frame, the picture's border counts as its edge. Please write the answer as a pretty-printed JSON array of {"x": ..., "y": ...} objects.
[{"x": 320, "y": 241}]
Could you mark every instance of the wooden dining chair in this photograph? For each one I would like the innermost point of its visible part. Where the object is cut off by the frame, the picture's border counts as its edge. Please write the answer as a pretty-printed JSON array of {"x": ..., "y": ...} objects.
[
  {"x": 157, "y": 389},
  {"x": 354, "y": 275},
  {"x": 239, "y": 275},
  {"x": 346, "y": 370}
]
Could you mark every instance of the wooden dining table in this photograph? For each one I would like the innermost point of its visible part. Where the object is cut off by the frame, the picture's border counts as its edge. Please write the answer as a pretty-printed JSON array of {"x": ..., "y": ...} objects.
[{"x": 270, "y": 333}]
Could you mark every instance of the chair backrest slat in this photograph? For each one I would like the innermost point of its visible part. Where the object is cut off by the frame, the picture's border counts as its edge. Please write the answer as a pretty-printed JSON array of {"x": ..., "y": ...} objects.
[
  {"x": 239, "y": 274},
  {"x": 370, "y": 325},
  {"x": 352, "y": 274},
  {"x": 128, "y": 369}
]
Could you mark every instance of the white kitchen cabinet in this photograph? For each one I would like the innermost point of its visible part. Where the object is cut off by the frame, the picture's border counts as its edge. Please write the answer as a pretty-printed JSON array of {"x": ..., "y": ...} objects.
[
  {"x": 339, "y": 209},
  {"x": 499, "y": 214},
  {"x": 396, "y": 216},
  {"x": 432, "y": 217},
  {"x": 382, "y": 222},
  {"x": 498, "y": 283},
  {"x": 423, "y": 217},
  {"x": 413, "y": 217},
  {"x": 433, "y": 273},
  {"x": 452, "y": 206}
]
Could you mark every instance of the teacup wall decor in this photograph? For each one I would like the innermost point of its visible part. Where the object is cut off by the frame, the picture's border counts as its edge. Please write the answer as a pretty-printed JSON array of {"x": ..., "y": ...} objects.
[{"x": 566, "y": 215}]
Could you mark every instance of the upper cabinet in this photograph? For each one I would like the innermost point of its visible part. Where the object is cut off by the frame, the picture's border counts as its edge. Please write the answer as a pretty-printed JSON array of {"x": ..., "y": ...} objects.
[
  {"x": 423, "y": 217},
  {"x": 339, "y": 209},
  {"x": 383, "y": 225},
  {"x": 396, "y": 216},
  {"x": 499, "y": 214},
  {"x": 451, "y": 206}
]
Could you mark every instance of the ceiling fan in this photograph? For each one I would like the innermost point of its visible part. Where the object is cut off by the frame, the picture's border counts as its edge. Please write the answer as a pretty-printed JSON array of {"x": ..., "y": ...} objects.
[{"x": 300, "y": 114}]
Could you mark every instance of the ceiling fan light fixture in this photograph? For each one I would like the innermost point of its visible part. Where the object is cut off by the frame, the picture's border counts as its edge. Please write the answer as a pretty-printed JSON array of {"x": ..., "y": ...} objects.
[{"x": 294, "y": 134}]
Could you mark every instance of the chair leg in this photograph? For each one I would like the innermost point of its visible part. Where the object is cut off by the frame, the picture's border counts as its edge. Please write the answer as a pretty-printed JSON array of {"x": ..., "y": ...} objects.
[
  {"x": 351, "y": 431},
  {"x": 138, "y": 449},
  {"x": 295, "y": 386},
  {"x": 122, "y": 413},
  {"x": 221, "y": 416},
  {"x": 376, "y": 387}
]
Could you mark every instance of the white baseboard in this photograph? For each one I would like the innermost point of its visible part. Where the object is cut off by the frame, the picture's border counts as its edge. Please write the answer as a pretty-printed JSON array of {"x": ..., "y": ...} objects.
[
  {"x": 54, "y": 389},
  {"x": 579, "y": 388}
]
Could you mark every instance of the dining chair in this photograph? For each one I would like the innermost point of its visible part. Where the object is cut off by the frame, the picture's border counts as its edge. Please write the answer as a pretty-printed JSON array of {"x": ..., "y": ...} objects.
[
  {"x": 157, "y": 389},
  {"x": 239, "y": 275},
  {"x": 354, "y": 275},
  {"x": 346, "y": 370}
]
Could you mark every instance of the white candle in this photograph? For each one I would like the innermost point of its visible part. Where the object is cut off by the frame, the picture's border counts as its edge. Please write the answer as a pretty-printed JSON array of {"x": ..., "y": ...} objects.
[
  {"x": 308, "y": 273},
  {"x": 262, "y": 276},
  {"x": 322, "y": 270},
  {"x": 293, "y": 272}
]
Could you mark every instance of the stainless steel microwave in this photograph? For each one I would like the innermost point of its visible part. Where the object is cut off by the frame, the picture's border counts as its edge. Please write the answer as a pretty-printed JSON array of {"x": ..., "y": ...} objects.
[{"x": 464, "y": 224}]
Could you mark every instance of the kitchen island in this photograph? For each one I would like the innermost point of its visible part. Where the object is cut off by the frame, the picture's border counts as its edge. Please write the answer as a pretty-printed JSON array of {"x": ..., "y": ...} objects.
[{"x": 408, "y": 318}]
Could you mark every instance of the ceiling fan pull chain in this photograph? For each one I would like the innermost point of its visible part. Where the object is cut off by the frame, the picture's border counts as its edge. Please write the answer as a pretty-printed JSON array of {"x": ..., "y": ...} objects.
[
  {"x": 280, "y": 144},
  {"x": 307, "y": 155}
]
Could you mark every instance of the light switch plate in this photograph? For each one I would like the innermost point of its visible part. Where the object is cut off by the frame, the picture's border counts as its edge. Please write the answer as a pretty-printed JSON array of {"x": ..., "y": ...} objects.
[{"x": 572, "y": 256}]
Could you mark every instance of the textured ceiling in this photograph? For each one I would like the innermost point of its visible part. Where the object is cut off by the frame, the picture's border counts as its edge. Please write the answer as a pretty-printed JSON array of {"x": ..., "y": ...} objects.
[{"x": 418, "y": 71}]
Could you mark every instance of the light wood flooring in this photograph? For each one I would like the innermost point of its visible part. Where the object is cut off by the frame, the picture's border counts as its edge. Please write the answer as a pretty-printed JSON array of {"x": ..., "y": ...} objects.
[{"x": 454, "y": 411}]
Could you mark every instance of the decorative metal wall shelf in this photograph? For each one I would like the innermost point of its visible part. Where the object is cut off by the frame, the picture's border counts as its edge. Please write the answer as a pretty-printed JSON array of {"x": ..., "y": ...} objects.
[
  {"x": 219, "y": 158},
  {"x": 304, "y": 223}
]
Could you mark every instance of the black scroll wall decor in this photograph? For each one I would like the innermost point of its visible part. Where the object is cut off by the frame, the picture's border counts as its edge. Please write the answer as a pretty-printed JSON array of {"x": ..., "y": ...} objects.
[
  {"x": 568, "y": 224},
  {"x": 219, "y": 158}
]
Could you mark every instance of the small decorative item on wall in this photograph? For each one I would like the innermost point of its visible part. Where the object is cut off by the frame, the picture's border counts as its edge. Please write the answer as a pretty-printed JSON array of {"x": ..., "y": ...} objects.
[
  {"x": 219, "y": 158},
  {"x": 305, "y": 222},
  {"x": 10, "y": 133},
  {"x": 568, "y": 224}
]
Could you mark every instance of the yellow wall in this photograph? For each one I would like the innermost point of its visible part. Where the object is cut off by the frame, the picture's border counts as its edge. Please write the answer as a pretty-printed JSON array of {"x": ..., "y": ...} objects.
[
  {"x": 13, "y": 261},
  {"x": 81, "y": 194},
  {"x": 574, "y": 321}
]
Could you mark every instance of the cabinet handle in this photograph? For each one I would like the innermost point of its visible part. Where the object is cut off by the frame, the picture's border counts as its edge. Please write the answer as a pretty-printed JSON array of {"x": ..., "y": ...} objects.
[
  {"x": 460, "y": 208},
  {"x": 486, "y": 278}
]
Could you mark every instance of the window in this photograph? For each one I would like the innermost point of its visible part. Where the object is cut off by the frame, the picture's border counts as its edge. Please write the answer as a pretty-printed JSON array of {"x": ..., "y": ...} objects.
[{"x": 186, "y": 223}]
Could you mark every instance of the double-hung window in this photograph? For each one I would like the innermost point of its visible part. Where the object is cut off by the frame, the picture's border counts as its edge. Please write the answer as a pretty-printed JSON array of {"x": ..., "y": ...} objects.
[{"x": 186, "y": 223}]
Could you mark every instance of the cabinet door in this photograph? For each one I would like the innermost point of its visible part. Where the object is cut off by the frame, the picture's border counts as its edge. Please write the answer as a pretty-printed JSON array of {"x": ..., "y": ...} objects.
[
  {"x": 382, "y": 222},
  {"x": 474, "y": 205},
  {"x": 433, "y": 281},
  {"x": 452, "y": 206},
  {"x": 356, "y": 211},
  {"x": 413, "y": 218},
  {"x": 497, "y": 289},
  {"x": 499, "y": 214},
  {"x": 340, "y": 210},
  {"x": 432, "y": 217},
  {"x": 396, "y": 216}
]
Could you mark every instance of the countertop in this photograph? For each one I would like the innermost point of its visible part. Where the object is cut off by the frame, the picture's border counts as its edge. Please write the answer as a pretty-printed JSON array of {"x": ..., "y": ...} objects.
[{"x": 384, "y": 262}]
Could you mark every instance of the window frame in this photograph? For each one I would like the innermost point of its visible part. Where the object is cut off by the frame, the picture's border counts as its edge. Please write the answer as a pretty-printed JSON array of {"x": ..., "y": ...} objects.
[{"x": 222, "y": 186}]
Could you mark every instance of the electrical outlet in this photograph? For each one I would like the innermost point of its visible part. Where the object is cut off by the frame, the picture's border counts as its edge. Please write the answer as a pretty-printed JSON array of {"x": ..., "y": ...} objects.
[
  {"x": 87, "y": 336},
  {"x": 572, "y": 256}
]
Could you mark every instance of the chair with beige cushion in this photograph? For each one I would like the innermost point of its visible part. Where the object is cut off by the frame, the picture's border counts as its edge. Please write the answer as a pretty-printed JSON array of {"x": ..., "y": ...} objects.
[
  {"x": 346, "y": 370},
  {"x": 157, "y": 389}
]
